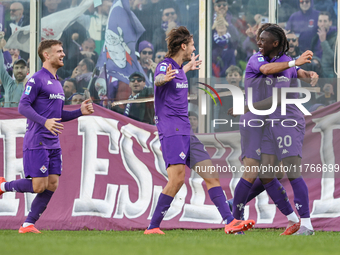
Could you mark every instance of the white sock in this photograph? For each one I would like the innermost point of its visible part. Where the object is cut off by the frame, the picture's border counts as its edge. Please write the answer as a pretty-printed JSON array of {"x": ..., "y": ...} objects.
[
  {"x": 293, "y": 217},
  {"x": 2, "y": 187},
  {"x": 26, "y": 224},
  {"x": 306, "y": 222}
]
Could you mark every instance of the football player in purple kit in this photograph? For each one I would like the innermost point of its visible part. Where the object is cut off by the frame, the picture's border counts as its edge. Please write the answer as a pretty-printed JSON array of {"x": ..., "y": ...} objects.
[
  {"x": 42, "y": 104},
  {"x": 180, "y": 146},
  {"x": 270, "y": 60},
  {"x": 285, "y": 142}
]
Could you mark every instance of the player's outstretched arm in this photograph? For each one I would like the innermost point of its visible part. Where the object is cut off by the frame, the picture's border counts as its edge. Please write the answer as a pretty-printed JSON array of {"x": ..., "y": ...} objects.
[
  {"x": 194, "y": 64},
  {"x": 276, "y": 67},
  {"x": 161, "y": 79},
  {"x": 308, "y": 76}
]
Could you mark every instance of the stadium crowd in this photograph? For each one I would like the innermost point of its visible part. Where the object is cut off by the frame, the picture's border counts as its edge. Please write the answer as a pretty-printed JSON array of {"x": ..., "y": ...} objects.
[{"x": 309, "y": 25}]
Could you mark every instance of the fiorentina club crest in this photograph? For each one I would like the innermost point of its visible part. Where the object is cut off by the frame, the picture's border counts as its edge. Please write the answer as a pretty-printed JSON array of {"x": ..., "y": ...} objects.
[
  {"x": 182, "y": 155},
  {"x": 43, "y": 169}
]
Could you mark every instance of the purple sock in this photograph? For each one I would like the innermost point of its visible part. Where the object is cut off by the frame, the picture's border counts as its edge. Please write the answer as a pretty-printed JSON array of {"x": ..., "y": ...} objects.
[
  {"x": 162, "y": 207},
  {"x": 240, "y": 197},
  {"x": 255, "y": 190},
  {"x": 217, "y": 196},
  {"x": 301, "y": 199},
  {"x": 38, "y": 206},
  {"x": 279, "y": 195},
  {"x": 22, "y": 185}
]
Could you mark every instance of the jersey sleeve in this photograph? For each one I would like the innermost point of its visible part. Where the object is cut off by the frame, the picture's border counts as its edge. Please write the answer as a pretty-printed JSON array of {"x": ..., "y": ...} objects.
[
  {"x": 160, "y": 69},
  {"x": 31, "y": 92},
  {"x": 257, "y": 62}
]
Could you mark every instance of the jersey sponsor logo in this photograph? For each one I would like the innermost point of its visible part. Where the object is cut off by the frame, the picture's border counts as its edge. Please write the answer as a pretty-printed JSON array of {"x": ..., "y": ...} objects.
[
  {"x": 31, "y": 80},
  {"x": 43, "y": 169},
  {"x": 282, "y": 79},
  {"x": 181, "y": 85},
  {"x": 258, "y": 151},
  {"x": 162, "y": 68},
  {"x": 285, "y": 151},
  {"x": 49, "y": 83},
  {"x": 57, "y": 96},
  {"x": 260, "y": 59},
  {"x": 182, "y": 155},
  {"x": 28, "y": 90},
  {"x": 269, "y": 81}
]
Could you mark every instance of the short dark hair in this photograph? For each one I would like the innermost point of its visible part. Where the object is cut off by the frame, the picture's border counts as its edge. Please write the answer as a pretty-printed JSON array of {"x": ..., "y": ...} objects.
[
  {"x": 175, "y": 39},
  {"x": 46, "y": 44},
  {"x": 89, "y": 64},
  {"x": 326, "y": 14},
  {"x": 74, "y": 82}
]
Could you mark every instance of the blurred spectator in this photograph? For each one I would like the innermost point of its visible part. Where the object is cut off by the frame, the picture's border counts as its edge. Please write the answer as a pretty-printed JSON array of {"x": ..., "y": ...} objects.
[
  {"x": 221, "y": 8},
  {"x": 86, "y": 50},
  {"x": 139, "y": 111},
  {"x": 69, "y": 87},
  {"x": 233, "y": 77},
  {"x": 304, "y": 23},
  {"x": 193, "y": 118},
  {"x": 145, "y": 50},
  {"x": 77, "y": 98},
  {"x": 323, "y": 44},
  {"x": 98, "y": 24},
  {"x": 328, "y": 97},
  {"x": 160, "y": 55},
  {"x": 49, "y": 7},
  {"x": 169, "y": 21},
  {"x": 285, "y": 9},
  {"x": 294, "y": 50},
  {"x": 13, "y": 87},
  {"x": 150, "y": 17},
  {"x": 326, "y": 6},
  {"x": 85, "y": 69},
  {"x": 17, "y": 18},
  {"x": 223, "y": 51}
]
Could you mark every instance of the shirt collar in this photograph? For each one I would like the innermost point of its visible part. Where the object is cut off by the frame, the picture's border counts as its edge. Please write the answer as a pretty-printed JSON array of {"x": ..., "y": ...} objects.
[
  {"x": 49, "y": 74},
  {"x": 174, "y": 63}
]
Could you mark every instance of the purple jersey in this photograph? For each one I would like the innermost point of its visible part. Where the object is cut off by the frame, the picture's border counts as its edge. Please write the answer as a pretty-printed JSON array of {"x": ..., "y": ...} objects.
[
  {"x": 254, "y": 78},
  {"x": 285, "y": 79},
  {"x": 171, "y": 102},
  {"x": 43, "y": 99}
]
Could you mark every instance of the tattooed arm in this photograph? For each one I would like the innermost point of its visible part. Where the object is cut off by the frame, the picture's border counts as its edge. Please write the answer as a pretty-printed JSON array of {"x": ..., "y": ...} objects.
[{"x": 161, "y": 79}]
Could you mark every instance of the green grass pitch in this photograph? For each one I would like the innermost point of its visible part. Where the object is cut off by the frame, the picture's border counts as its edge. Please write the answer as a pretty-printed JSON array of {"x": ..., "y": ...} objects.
[{"x": 174, "y": 242}]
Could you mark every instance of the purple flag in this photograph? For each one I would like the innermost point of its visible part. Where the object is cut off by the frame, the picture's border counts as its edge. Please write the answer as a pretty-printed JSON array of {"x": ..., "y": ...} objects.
[{"x": 122, "y": 33}]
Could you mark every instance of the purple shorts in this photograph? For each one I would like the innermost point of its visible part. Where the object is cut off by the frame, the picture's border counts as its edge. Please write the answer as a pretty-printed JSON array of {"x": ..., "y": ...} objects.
[
  {"x": 251, "y": 137},
  {"x": 183, "y": 149},
  {"x": 42, "y": 162},
  {"x": 283, "y": 141}
]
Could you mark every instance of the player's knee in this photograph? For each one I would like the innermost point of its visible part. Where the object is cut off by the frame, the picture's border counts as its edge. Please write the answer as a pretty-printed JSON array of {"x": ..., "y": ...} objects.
[
  {"x": 212, "y": 182},
  {"x": 52, "y": 186},
  {"x": 39, "y": 189}
]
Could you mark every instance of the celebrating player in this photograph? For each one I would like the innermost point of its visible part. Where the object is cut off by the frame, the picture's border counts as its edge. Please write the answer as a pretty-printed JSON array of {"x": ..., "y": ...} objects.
[
  {"x": 180, "y": 146},
  {"x": 282, "y": 142},
  {"x": 259, "y": 73},
  {"x": 42, "y": 103}
]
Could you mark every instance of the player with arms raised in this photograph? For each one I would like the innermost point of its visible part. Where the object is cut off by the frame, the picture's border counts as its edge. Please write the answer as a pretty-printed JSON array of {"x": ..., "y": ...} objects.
[
  {"x": 42, "y": 103},
  {"x": 180, "y": 146}
]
